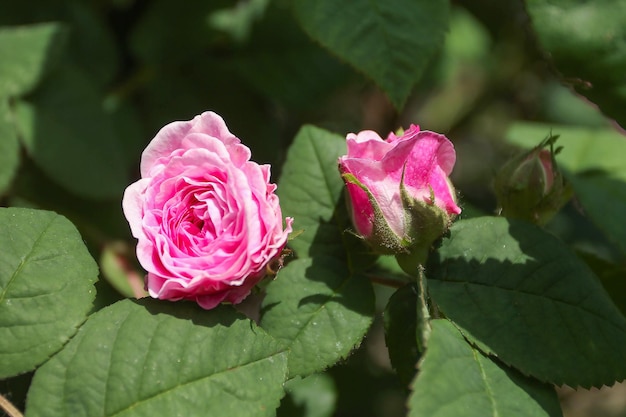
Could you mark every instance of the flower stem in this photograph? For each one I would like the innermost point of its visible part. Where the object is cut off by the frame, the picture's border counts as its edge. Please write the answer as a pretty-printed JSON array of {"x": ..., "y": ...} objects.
[
  {"x": 422, "y": 332},
  {"x": 9, "y": 408}
]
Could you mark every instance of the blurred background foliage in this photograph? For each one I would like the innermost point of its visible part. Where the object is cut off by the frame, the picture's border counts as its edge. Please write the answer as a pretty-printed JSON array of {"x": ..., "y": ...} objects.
[{"x": 104, "y": 75}]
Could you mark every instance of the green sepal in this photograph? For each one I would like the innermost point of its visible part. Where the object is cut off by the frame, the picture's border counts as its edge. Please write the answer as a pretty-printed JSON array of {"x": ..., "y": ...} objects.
[
  {"x": 382, "y": 240},
  {"x": 425, "y": 223}
]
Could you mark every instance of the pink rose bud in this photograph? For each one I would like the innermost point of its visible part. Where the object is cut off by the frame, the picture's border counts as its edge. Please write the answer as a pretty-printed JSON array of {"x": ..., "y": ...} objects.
[
  {"x": 530, "y": 186},
  {"x": 399, "y": 194},
  {"x": 205, "y": 216}
]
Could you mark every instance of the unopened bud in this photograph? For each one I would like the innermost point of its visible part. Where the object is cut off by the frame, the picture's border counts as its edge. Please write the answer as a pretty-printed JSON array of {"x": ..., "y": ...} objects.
[{"x": 530, "y": 186}]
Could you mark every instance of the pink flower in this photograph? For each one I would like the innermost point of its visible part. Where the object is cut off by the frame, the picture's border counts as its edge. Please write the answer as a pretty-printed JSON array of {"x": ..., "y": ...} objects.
[
  {"x": 205, "y": 216},
  {"x": 398, "y": 189}
]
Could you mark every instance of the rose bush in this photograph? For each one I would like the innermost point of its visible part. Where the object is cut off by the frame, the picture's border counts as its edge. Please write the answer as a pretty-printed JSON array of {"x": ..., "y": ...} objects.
[
  {"x": 205, "y": 216},
  {"x": 399, "y": 193}
]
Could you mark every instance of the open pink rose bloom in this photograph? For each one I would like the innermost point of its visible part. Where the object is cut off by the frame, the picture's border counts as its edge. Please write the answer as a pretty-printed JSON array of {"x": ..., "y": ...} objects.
[
  {"x": 205, "y": 216},
  {"x": 377, "y": 170}
]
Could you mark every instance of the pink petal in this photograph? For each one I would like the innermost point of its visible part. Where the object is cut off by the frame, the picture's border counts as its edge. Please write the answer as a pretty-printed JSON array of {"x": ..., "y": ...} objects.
[{"x": 170, "y": 137}]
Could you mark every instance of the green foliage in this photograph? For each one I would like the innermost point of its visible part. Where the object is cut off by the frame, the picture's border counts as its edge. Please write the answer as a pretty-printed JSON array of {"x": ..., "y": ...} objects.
[
  {"x": 33, "y": 50},
  {"x": 519, "y": 293},
  {"x": 9, "y": 147},
  {"x": 155, "y": 358},
  {"x": 311, "y": 191},
  {"x": 401, "y": 323},
  {"x": 391, "y": 41},
  {"x": 313, "y": 396},
  {"x": 320, "y": 309},
  {"x": 594, "y": 159},
  {"x": 68, "y": 135},
  {"x": 85, "y": 85},
  {"x": 46, "y": 286},
  {"x": 456, "y": 379},
  {"x": 592, "y": 58}
]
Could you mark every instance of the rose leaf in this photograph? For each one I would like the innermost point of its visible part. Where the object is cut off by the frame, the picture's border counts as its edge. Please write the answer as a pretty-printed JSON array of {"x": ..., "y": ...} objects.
[
  {"x": 519, "y": 293},
  {"x": 311, "y": 191},
  {"x": 33, "y": 50},
  {"x": 71, "y": 138},
  {"x": 400, "y": 319},
  {"x": 391, "y": 41},
  {"x": 591, "y": 58},
  {"x": 320, "y": 310},
  {"x": 46, "y": 286},
  {"x": 456, "y": 379},
  {"x": 9, "y": 147},
  {"x": 148, "y": 358}
]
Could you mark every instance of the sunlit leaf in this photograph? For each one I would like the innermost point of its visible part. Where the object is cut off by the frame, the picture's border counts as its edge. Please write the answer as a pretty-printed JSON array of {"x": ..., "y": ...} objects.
[
  {"x": 46, "y": 286},
  {"x": 519, "y": 293},
  {"x": 151, "y": 358},
  {"x": 391, "y": 41},
  {"x": 310, "y": 190},
  {"x": 456, "y": 379},
  {"x": 320, "y": 310},
  {"x": 585, "y": 40}
]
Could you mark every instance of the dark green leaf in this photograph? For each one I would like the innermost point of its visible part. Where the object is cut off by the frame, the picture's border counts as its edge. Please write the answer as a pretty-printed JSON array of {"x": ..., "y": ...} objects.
[
  {"x": 152, "y": 358},
  {"x": 33, "y": 50},
  {"x": 310, "y": 190},
  {"x": 519, "y": 293},
  {"x": 585, "y": 39},
  {"x": 71, "y": 138},
  {"x": 595, "y": 161},
  {"x": 282, "y": 63},
  {"x": 320, "y": 310},
  {"x": 92, "y": 42},
  {"x": 611, "y": 275},
  {"x": 457, "y": 380},
  {"x": 46, "y": 286},
  {"x": 391, "y": 41},
  {"x": 154, "y": 42},
  {"x": 9, "y": 147},
  {"x": 400, "y": 326}
]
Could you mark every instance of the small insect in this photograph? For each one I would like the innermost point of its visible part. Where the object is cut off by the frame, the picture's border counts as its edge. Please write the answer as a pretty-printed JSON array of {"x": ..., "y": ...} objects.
[{"x": 273, "y": 267}]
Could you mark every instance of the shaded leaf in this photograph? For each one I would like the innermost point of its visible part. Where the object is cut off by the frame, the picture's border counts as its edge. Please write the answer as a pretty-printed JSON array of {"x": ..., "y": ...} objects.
[
  {"x": 593, "y": 56},
  {"x": 457, "y": 380},
  {"x": 400, "y": 320},
  {"x": 151, "y": 358},
  {"x": 282, "y": 63},
  {"x": 46, "y": 286},
  {"x": 33, "y": 49},
  {"x": 156, "y": 43},
  {"x": 391, "y": 41},
  {"x": 310, "y": 190},
  {"x": 9, "y": 147},
  {"x": 320, "y": 310},
  {"x": 71, "y": 138},
  {"x": 313, "y": 396},
  {"x": 519, "y": 293}
]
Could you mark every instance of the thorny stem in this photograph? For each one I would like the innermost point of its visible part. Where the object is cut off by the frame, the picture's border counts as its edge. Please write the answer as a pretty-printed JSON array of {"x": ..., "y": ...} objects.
[{"x": 9, "y": 408}]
